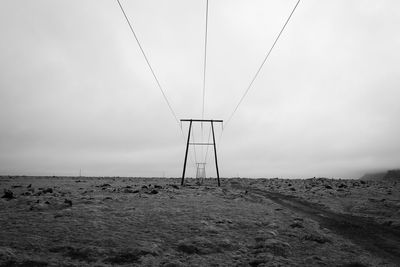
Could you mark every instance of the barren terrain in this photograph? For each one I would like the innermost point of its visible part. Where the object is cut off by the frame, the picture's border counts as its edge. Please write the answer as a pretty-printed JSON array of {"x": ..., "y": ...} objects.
[{"x": 92, "y": 221}]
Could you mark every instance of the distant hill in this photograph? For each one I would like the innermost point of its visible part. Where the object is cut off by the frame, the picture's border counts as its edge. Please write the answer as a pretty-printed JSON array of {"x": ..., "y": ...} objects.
[{"x": 390, "y": 175}]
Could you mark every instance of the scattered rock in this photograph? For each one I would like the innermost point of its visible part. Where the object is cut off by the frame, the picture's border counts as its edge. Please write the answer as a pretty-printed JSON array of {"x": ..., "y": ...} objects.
[
  {"x": 223, "y": 220},
  {"x": 317, "y": 238},
  {"x": 47, "y": 190},
  {"x": 68, "y": 202},
  {"x": 203, "y": 246},
  {"x": 26, "y": 263},
  {"x": 187, "y": 248},
  {"x": 8, "y": 194},
  {"x": 38, "y": 207},
  {"x": 173, "y": 264},
  {"x": 354, "y": 264},
  {"x": 313, "y": 260},
  {"x": 130, "y": 256},
  {"x": 127, "y": 190},
  {"x": 258, "y": 261},
  {"x": 153, "y": 192},
  {"x": 86, "y": 254},
  {"x": 174, "y": 186},
  {"x": 275, "y": 246},
  {"x": 265, "y": 236},
  {"x": 296, "y": 225}
]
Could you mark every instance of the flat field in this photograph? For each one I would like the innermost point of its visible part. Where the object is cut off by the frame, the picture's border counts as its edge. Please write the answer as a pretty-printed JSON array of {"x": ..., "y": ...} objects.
[{"x": 100, "y": 221}]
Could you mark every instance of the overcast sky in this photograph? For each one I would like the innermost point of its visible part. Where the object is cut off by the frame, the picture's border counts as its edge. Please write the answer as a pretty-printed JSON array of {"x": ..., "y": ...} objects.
[{"x": 76, "y": 93}]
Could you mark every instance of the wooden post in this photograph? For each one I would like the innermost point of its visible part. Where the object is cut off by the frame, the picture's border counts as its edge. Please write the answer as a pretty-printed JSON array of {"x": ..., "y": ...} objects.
[
  {"x": 186, "y": 154},
  {"x": 215, "y": 152}
]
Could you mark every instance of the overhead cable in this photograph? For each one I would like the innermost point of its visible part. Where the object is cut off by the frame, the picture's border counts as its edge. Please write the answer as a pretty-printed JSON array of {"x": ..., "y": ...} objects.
[
  {"x": 262, "y": 64},
  {"x": 154, "y": 75},
  {"x": 204, "y": 73},
  {"x": 208, "y": 141},
  {"x": 205, "y": 61},
  {"x": 148, "y": 63}
]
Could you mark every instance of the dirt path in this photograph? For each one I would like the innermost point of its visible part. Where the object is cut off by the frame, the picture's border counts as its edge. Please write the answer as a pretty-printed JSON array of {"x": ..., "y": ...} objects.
[{"x": 382, "y": 241}]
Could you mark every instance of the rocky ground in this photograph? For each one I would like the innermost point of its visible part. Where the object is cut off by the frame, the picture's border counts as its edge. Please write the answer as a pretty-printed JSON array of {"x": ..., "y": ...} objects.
[{"x": 64, "y": 221}]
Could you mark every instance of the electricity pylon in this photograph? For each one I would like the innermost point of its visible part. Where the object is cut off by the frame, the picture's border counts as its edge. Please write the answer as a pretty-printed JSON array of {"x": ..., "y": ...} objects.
[{"x": 196, "y": 144}]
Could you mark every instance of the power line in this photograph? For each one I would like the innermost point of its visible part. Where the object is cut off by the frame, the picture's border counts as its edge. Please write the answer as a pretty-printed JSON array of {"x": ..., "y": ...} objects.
[
  {"x": 204, "y": 75},
  {"x": 262, "y": 64},
  {"x": 205, "y": 61},
  {"x": 194, "y": 149},
  {"x": 208, "y": 141},
  {"x": 148, "y": 63},
  {"x": 152, "y": 71}
]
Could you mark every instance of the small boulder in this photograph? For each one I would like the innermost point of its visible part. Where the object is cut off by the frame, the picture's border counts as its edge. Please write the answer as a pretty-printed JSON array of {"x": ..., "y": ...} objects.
[
  {"x": 8, "y": 194},
  {"x": 317, "y": 238},
  {"x": 47, "y": 190},
  {"x": 173, "y": 264},
  {"x": 296, "y": 225},
  {"x": 68, "y": 202},
  {"x": 276, "y": 247},
  {"x": 188, "y": 248}
]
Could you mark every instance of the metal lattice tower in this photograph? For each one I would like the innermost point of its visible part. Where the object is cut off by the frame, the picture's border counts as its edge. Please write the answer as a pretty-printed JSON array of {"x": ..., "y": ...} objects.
[{"x": 200, "y": 172}]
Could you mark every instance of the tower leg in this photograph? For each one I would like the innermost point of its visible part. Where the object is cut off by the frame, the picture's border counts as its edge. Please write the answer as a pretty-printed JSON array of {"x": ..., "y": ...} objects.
[
  {"x": 215, "y": 152},
  {"x": 186, "y": 154}
]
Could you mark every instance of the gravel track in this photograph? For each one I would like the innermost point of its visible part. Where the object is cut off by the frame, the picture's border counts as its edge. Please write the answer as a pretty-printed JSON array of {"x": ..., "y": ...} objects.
[{"x": 381, "y": 240}]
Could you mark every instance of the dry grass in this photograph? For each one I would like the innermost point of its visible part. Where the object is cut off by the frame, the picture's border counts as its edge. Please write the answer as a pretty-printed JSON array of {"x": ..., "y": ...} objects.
[{"x": 154, "y": 222}]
